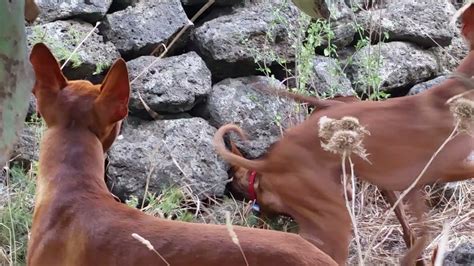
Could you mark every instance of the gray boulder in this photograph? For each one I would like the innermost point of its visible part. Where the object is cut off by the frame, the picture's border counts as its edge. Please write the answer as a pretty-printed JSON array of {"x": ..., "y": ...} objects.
[
  {"x": 121, "y": 4},
  {"x": 62, "y": 37},
  {"x": 365, "y": 5},
  {"x": 174, "y": 84},
  {"x": 263, "y": 116},
  {"x": 462, "y": 255},
  {"x": 425, "y": 23},
  {"x": 342, "y": 24},
  {"x": 26, "y": 150},
  {"x": 395, "y": 64},
  {"x": 231, "y": 44},
  {"x": 217, "y": 2},
  {"x": 172, "y": 152},
  {"x": 449, "y": 57},
  {"x": 457, "y": 3},
  {"x": 139, "y": 29},
  {"x": 426, "y": 85},
  {"x": 31, "y": 107},
  {"x": 328, "y": 79},
  {"x": 88, "y": 10}
]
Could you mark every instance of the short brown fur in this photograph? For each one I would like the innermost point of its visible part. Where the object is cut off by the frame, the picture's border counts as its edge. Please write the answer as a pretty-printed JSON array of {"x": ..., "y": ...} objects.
[{"x": 298, "y": 178}]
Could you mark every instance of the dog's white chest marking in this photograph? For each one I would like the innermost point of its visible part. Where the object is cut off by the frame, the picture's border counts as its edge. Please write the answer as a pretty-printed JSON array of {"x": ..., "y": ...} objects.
[{"x": 470, "y": 158}]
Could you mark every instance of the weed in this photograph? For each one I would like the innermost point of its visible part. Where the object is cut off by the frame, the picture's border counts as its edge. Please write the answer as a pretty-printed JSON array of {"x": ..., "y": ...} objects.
[
  {"x": 167, "y": 205},
  {"x": 100, "y": 67},
  {"x": 16, "y": 213},
  {"x": 59, "y": 49}
]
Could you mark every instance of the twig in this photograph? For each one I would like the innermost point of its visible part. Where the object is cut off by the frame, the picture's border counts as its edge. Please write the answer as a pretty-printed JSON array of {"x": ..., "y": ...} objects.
[
  {"x": 148, "y": 244},
  {"x": 80, "y": 44},
  {"x": 442, "y": 246},
  {"x": 353, "y": 186},
  {"x": 415, "y": 182},
  {"x": 13, "y": 256},
  {"x": 151, "y": 64},
  {"x": 10, "y": 242},
  {"x": 233, "y": 235},
  {"x": 152, "y": 113},
  {"x": 175, "y": 162},
  {"x": 351, "y": 213},
  {"x": 147, "y": 183}
]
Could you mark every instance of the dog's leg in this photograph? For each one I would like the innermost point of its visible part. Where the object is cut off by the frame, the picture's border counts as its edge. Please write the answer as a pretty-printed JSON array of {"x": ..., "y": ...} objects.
[
  {"x": 414, "y": 252},
  {"x": 408, "y": 234},
  {"x": 417, "y": 202}
]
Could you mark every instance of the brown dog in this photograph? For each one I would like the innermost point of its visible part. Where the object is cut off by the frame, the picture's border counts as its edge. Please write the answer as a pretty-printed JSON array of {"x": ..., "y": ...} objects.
[
  {"x": 243, "y": 179},
  {"x": 76, "y": 220},
  {"x": 31, "y": 11},
  {"x": 300, "y": 179}
]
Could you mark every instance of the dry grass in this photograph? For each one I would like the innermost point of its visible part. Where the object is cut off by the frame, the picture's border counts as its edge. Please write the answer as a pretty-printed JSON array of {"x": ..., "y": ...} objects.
[
  {"x": 390, "y": 247},
  {"x": 149, "y": 246}
]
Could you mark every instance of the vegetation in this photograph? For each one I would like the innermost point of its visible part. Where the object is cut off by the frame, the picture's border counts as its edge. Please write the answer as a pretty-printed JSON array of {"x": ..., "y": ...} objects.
[
  {"x": 16, "y": 213},
  {"x": 60, "y": 50}
]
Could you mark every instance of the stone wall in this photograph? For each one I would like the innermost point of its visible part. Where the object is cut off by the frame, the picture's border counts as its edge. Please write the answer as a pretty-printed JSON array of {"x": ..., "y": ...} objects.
[{"x": 209, "y": 75}]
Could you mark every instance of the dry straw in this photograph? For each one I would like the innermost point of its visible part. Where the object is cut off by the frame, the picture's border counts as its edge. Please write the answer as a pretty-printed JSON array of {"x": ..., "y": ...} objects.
[
  {"x": 148, "y": 244},
  {"x": 80, "y": 44},
  {"x": 233, "y": 235},
  {"x": 443, "y": 245}
]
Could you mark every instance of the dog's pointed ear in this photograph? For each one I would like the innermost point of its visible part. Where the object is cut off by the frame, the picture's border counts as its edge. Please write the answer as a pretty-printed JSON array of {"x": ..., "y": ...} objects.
[
  {"x": 467, "y": 22},
  {"x": 31, "y": 11},
  {"x": 47, "y": 70},
  {"x": 112, "y": 103}
]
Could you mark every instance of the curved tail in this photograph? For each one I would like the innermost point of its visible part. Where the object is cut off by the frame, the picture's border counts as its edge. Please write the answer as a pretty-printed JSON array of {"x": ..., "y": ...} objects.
[{"x": 234, "y": 159}]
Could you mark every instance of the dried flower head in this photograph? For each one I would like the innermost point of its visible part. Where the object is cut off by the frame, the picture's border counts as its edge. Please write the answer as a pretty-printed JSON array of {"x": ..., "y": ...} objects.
[
  {"x": 342, "y": 136},
  {"x": 352, "y": 123},
  {"x": 463, "y": 112},
  {"x": 346, "y": 142},
  {"x": 327, "y": 126}
]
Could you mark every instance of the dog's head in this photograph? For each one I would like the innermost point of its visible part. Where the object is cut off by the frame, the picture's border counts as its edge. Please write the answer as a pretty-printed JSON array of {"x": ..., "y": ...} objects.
[
  {"x": 80, "y": 104},
  {"x": 268, "y": 201}
]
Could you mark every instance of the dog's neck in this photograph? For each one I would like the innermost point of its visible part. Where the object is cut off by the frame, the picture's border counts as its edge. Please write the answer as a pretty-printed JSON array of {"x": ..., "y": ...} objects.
[
  {"x": 325, "y": 223},
  {"x": 71, "y": 161}
]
